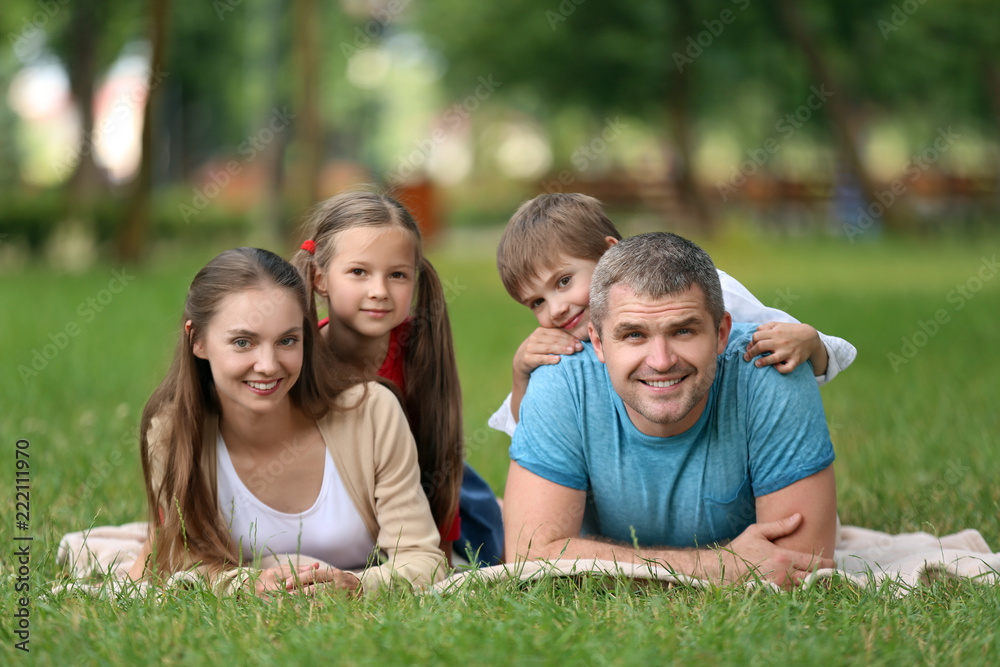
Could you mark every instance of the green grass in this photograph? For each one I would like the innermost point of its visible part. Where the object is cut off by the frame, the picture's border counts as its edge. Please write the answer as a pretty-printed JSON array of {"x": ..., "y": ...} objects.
[{"x": 916, "y": 450}]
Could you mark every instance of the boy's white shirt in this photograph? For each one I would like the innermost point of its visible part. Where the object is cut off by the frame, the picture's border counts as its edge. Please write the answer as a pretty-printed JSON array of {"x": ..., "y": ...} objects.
[{"x": 743, "y": 307}]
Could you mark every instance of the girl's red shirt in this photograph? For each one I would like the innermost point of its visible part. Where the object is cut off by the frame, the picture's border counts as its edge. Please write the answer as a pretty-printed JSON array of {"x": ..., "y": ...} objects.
[{"x": 392, "y": 369}]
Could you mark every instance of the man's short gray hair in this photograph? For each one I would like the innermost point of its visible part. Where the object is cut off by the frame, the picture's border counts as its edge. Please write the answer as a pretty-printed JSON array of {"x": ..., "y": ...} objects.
[{"x": 655, "y": 265}]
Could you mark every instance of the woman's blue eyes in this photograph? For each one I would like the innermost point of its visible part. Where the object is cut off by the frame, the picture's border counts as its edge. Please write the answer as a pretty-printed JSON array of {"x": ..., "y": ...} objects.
[{"x": 244, "y": 344}]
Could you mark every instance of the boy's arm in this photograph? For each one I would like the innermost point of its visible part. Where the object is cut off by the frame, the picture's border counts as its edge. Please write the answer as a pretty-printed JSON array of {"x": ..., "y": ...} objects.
[
  {"x": 503, "y": 419},
  {"x": 543, "y": 346},
  {"x": 745, "y": 307}
]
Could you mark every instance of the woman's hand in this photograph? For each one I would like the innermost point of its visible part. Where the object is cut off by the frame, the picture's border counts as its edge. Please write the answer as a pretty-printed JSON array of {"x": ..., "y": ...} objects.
[{"x": 306, "y": 579}]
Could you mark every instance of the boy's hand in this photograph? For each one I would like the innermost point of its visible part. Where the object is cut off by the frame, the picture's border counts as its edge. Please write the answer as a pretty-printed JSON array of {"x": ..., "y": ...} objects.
[
  {"x": 543, "y": 346},
  {"x": 789, "y": 345}
]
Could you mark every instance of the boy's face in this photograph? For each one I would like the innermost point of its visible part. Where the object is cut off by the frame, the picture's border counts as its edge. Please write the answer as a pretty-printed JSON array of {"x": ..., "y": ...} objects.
[{"x": 560, "y": 297}]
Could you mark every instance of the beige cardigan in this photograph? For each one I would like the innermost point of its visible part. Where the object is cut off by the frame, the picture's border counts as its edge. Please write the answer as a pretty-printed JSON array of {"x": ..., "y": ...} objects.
[{"x": 376, "y": 457}]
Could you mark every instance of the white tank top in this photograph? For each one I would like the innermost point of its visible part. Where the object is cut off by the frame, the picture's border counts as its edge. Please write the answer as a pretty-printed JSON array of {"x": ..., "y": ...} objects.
[{"x": 331, "y": 530}]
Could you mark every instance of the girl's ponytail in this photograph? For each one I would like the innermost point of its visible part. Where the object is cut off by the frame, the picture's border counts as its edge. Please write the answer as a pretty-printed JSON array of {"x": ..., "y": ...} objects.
[
  {"x": 434, "y": 397},
  {"x": 305, "y": 261}
]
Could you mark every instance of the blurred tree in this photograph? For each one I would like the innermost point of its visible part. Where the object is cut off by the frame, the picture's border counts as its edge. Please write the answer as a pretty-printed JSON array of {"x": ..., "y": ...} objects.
[
  {"x": 135, "y": 224},
  {"x": 263, "y": 45},
  {"x": 87, "y": 43},
  {"x": 845, "y": 128},
  {"x": 687, "y": 62},
  {"x": 309, "y": 143}
]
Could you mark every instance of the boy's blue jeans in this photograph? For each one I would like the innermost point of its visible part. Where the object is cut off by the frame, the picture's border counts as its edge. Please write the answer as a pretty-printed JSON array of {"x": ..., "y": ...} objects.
[{"x": 481, "y": 539}]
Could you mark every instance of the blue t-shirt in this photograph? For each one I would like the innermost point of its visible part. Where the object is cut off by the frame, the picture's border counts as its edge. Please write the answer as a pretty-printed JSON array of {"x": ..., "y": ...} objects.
[{"x": 760, "y": 432}]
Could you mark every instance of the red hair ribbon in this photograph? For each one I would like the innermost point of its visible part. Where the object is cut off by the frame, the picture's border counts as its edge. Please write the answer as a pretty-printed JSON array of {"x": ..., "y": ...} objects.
[{"x": 310, "y": 246}]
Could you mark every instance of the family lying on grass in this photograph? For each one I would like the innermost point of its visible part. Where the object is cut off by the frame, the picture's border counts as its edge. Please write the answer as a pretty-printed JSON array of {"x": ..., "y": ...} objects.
[{"x": 281, "y": 452}]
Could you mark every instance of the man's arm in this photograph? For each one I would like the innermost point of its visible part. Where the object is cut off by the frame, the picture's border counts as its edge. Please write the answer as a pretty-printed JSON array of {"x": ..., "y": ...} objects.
[
  {"x": 542, "y": 520},
  {"x": 815, "y": 498}
]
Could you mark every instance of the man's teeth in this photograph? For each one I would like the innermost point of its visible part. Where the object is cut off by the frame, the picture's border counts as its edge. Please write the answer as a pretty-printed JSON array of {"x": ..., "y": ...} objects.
[
  {"x": 664, "y": 383},
  {"x": 263, "y": 386}
]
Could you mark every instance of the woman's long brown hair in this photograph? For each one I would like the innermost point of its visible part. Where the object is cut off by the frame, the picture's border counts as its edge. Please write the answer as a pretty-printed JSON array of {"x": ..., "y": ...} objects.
[
  {"x": 186, "y": 524},
  {"x": 433, "y": 396}
]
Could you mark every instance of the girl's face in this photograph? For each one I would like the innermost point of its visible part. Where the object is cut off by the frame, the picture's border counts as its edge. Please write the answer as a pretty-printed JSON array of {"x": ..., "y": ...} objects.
[
  {"x": 254, "y": 346},
  {"x": 368, "y": 284}
]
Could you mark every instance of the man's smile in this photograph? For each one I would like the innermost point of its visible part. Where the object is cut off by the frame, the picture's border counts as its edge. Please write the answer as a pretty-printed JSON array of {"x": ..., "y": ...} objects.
[{"x": 660, "y": 384}]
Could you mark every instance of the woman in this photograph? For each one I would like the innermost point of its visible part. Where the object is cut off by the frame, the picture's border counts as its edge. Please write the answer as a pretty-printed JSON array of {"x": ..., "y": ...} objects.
[{"x": 255, "y": 453}]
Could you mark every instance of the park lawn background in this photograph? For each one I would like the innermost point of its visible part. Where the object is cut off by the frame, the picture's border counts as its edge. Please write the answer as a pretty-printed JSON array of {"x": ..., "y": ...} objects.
[{"x": 916, "y": 438}]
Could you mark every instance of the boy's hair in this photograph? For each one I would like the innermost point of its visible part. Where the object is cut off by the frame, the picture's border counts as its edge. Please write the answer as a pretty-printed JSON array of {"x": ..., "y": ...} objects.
[
  {"x": 433, "y": 396},
  {"x": 545, "y": 227},
  {"x": 654, "y": 265},
  {"x": 183, "y": 510}
]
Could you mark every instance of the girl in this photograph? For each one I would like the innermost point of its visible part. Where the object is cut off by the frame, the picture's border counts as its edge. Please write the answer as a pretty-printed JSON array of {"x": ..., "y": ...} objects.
[
  {"x": 252, "y": 447},
  {"x": 363, "y": 256}
]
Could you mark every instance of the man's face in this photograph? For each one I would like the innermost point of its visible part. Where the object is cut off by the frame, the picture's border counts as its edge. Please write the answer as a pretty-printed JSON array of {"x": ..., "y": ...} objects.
[{"x": 661, "y": 356}]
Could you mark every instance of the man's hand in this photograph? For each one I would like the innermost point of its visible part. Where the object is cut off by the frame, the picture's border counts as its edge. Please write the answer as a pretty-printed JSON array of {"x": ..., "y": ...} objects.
[
  {"x": 547, "y": 517},
  {"x": 789, "y": 344},
  {"x": 753, "y": 553}
]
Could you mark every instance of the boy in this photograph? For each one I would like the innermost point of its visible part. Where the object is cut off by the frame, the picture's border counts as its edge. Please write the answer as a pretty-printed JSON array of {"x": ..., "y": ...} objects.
[{"x": 546, "y": 257}]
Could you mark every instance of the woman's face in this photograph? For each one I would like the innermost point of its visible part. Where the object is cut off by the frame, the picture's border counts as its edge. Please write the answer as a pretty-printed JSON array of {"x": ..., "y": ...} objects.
[{"x": 254, "y": 346}]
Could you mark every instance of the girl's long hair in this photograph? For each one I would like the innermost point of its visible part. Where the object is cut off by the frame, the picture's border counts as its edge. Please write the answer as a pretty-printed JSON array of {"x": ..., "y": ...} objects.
[
  {"x": 433, "y": 396},
  {"x": 186, "y": 524}
]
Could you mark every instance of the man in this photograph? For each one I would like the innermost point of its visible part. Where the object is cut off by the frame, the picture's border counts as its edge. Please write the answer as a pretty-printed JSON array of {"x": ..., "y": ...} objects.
[{"x": 658, "y": 443}]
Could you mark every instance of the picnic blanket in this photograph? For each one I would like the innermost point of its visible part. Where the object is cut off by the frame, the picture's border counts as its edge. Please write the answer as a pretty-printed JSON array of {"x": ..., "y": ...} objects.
[{"x": 862, "y": 556}]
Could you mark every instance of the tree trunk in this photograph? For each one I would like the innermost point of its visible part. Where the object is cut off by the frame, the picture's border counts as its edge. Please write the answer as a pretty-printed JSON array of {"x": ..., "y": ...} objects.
[
  {"x": 992, "y": 75},
  {"x": 262, "y": 53},
  {"x": 837, "y": 106},
  {"x": 85, "y": 183},
  {"x": 681, "y": 123},
  {"x": 309, "y": 141},
  {"x": 135, "y": 225}
]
